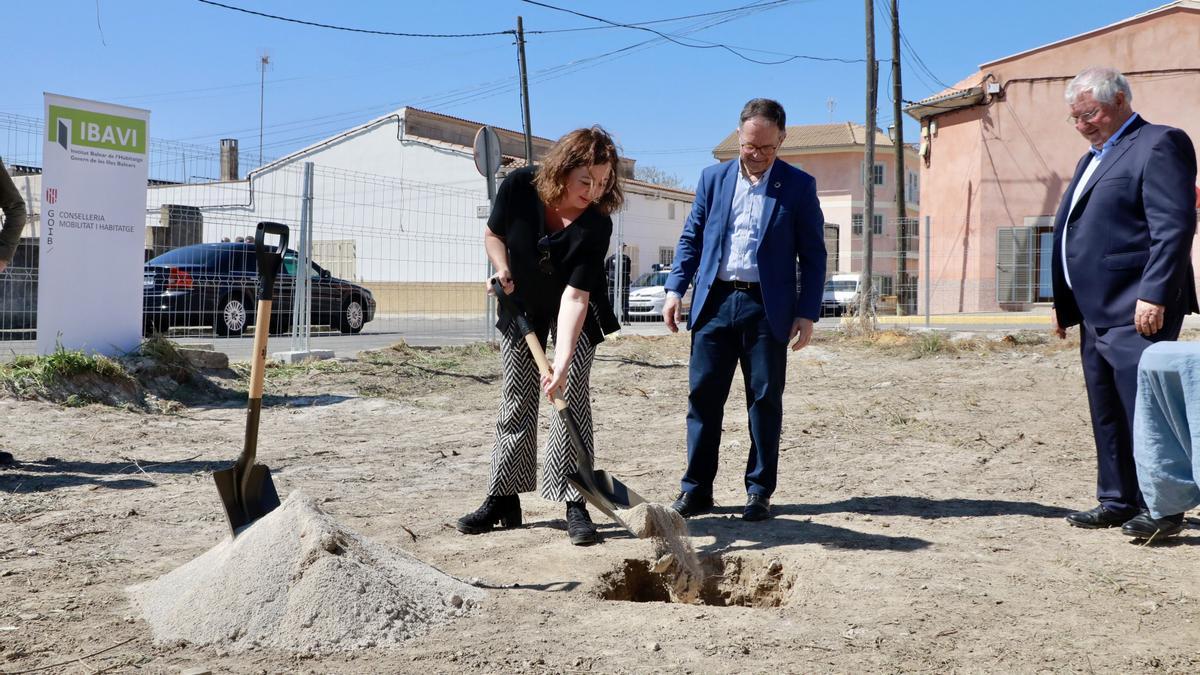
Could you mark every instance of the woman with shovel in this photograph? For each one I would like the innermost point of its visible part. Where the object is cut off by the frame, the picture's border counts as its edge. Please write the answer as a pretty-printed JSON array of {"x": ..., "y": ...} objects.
[{"x": 546, "y": 238}]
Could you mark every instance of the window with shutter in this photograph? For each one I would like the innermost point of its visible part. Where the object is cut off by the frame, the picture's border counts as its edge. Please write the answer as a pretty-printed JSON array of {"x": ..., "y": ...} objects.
[{"x": 1014, "y": 265}]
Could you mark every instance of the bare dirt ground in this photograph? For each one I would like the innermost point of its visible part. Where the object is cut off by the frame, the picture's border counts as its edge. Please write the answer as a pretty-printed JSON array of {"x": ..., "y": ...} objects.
[{"x": 919, "y": 519}]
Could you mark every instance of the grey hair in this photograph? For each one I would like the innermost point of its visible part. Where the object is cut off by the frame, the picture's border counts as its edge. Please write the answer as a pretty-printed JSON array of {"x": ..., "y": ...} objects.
[{"x": 1102, "y": 81}]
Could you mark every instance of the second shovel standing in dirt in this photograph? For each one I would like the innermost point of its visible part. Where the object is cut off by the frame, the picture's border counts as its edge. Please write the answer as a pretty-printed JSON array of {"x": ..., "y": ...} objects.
[{"x": 246, "y": 489}]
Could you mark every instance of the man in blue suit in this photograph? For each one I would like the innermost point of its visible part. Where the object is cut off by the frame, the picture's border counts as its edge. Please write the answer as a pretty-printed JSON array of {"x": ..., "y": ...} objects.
[
  {"x": 755, "y": 224},
  {"x": 1122, "y": 270}
]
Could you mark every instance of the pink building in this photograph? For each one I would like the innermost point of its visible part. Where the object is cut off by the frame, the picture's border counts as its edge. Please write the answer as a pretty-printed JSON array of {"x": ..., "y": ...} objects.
[
  {"x": 997, "y": 152},
  {"x": 833, "y": 154}
]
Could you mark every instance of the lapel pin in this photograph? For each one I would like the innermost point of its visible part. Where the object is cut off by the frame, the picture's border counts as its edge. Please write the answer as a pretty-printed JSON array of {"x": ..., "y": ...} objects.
[{"x": 777, "y": 184}]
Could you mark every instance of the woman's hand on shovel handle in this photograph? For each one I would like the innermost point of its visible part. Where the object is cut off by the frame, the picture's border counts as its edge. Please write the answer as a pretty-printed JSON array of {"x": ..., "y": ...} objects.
[
  {"x": 504, "y": 276},
  {"x": 554, "y": 382}
]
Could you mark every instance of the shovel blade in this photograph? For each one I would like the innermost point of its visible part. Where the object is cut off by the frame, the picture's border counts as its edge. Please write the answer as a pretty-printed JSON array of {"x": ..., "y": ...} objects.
[
  {"x": 595, "y": 498},
  {"x": 258, "y": 497},
  {"x": 620, "y": 494},
  {"x": 605, "y": 492}
]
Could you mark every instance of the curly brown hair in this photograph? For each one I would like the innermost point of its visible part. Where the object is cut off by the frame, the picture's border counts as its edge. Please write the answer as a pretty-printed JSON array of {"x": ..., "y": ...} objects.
[{"x": 582, "y": 147}]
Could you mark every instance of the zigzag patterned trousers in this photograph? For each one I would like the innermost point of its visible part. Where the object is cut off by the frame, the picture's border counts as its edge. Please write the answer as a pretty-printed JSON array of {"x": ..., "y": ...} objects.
[{"x": 514, "y": 455}]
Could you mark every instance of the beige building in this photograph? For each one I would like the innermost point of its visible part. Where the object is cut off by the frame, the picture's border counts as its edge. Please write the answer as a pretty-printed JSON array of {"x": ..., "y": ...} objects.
[
  {"x": 997, "y": 152},
  {"x": 833, "y": 154}
]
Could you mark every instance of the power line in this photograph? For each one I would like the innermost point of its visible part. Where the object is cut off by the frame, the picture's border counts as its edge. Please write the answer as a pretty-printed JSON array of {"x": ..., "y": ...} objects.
[
  {"x": 913, "y": 57},
  {"x": 461, "y": 95},
  {"x": 753, "y": 5},
  {"x": 315, "y": 24},
  {"x": 921, "y": 62},
  {"x": 702, "y": 44},
  {"x": 355, "y": 30}
]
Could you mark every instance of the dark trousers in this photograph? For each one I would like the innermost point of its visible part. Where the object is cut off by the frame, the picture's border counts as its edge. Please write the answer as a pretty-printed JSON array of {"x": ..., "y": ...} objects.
[
  {"x": 733, "y": 330},
  {"x": 1110, "y": 362}
]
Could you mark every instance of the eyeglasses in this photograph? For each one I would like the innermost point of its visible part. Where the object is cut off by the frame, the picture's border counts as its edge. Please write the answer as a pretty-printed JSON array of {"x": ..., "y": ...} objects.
[
  {"x": 751, "y": 148},
  {"x": 1084, "y": 117},
  {"x": 544, "y": 263}
]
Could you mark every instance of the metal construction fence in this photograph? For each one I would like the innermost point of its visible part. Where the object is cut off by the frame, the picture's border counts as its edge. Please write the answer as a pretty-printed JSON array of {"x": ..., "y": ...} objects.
[
  {"x": 375, "y": 259},
  {"x": 389, "y": 258}
]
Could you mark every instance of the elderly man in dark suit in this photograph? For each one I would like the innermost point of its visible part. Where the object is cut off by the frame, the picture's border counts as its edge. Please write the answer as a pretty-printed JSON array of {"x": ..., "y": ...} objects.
[{"x": 1122, "y": 271}]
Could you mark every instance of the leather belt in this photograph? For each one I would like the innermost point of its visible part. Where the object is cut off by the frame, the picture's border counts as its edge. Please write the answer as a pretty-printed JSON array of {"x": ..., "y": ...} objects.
[{"x": 738, "y": 285}]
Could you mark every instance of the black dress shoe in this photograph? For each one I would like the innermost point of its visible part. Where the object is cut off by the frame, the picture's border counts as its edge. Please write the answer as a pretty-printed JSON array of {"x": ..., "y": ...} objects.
[
  {"x": 503, "y": 510},
  {"x": 688, "y": 504},
  {"x": 758, "y": 507},
  {"x": 579, "y": 525},
  {"x": 1098, "y": 518},
  {"x": 1143, "y": 526}
]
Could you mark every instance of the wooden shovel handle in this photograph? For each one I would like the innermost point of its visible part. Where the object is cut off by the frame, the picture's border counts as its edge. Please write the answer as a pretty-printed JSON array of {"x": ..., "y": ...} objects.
[
  {"x": 539, "y": 355},
  {"x": 262, "y": 325}
]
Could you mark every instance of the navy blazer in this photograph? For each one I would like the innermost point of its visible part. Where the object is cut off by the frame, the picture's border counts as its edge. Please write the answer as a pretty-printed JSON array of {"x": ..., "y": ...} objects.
[
  {"x": 1129, "y": 236},
  {"x": 794, "y": 232}
]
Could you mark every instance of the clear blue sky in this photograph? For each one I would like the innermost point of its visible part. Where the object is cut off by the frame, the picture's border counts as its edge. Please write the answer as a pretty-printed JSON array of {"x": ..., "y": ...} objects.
[{"x": 195, "y": 65}]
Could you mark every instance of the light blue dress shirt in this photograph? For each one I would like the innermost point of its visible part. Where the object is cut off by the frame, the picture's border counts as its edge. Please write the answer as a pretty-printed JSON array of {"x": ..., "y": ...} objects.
[{"x": 746, "y": 223}]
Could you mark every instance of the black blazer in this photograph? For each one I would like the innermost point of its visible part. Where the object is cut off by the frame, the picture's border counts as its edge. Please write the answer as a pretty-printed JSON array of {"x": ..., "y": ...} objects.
[{"x": 1130, "y": 235}]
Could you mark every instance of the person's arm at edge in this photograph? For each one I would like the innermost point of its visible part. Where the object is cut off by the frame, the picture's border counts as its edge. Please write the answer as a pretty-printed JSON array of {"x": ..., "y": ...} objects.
[{"x": 14, "y": 217}]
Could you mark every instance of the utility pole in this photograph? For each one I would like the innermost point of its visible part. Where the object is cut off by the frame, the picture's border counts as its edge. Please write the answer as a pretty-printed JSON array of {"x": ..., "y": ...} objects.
[
  {"x": 264, "y": 60},
  {"x": 866, "y": 310},
  {"x": 524, "y": 91},
  {"x": 898, "y": 147}
]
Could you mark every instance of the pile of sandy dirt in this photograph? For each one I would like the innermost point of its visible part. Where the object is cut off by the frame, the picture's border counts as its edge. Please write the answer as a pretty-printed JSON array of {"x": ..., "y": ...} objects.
[
  {"x": 672, "y": 545},
  {"x": 296, "y": 580}
]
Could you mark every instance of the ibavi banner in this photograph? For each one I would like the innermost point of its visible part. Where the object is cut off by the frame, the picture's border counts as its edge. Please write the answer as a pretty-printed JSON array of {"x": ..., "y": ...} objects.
[{"x": 93, "y": 226}]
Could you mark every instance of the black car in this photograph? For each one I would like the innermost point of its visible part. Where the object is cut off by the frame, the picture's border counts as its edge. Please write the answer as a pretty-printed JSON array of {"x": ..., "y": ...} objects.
[{"x": 214, "y": 285}]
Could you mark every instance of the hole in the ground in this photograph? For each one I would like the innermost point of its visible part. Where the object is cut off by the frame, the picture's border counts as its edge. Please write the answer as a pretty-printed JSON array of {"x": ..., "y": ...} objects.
[{"x": 729, "y": 581}]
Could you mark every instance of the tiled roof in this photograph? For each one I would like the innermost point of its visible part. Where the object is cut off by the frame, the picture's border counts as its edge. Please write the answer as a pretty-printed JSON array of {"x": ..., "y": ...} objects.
[
  {"x": 809, "y": 136},
  {"x": 472, "y": 122}
]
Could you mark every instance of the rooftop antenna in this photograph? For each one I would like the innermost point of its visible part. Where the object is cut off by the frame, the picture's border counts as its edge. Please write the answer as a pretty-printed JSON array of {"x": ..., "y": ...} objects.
[
  {"x": 264, "y": 63},
  {"x": 831, "y": 103}
]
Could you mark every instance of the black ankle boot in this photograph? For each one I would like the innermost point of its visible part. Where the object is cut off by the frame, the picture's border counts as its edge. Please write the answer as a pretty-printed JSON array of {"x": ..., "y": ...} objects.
[
  {"x": 504, "y": 510},
  {"x": 579, "y": 525}
]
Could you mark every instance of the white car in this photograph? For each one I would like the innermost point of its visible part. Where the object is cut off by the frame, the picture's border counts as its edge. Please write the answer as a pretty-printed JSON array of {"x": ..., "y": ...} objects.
[
  {"x": 647, "y": 294},
  {"x": 841, "y": 294}
]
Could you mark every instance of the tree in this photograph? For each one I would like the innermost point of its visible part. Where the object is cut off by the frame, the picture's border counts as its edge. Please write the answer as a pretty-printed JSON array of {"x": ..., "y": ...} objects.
[{"x": 653, "y": 174}]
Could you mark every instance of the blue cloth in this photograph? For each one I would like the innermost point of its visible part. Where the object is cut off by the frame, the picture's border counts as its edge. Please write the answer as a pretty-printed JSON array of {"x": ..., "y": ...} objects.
[
  {"x": 792, "y": 244},
  {"x": 733, "y": 330},
  {"x": 1166, "y": 424}
]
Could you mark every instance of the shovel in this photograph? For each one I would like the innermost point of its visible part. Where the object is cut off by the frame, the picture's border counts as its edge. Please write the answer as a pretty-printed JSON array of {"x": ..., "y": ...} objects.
[
  {"x": 601, "y": 489},
  {"x": 246, "y": 489}
]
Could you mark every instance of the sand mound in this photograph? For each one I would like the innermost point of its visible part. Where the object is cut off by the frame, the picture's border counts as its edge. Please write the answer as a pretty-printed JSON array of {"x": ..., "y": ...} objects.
[{"x": 296, "y": 580}]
